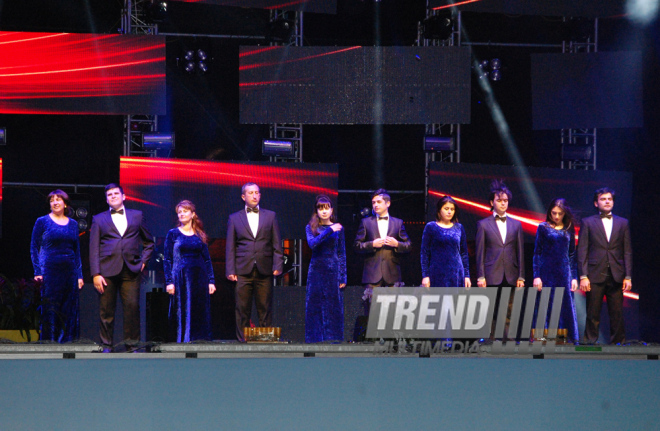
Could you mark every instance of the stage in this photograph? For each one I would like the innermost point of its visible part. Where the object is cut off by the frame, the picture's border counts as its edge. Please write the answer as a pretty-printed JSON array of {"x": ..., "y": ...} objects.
[
  {"x": 422, "y": 349},
  {"x": 346, "y": 386}
]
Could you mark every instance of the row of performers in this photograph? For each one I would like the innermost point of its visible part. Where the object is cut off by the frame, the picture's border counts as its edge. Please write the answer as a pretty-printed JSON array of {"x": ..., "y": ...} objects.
[{"x": 121, "y": 246}]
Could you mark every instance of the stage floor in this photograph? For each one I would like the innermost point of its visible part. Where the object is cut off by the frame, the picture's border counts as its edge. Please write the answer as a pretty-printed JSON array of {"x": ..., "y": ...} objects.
[{"x": 390, "y": 348}]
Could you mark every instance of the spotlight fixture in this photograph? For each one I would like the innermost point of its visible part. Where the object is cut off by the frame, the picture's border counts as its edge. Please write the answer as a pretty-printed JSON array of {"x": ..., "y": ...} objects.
[
  {"x": 434, "y": 144},
  {"x": 280, "y": 29},
  {"x": 157, "y": 11},
  {"x": 278, "y": 148},
  {"x": 437, "y": 27},
  {"x": 158, "y": 141},
  {"x": 489, "y": 69},
  {"x": 195, "y": 61}
]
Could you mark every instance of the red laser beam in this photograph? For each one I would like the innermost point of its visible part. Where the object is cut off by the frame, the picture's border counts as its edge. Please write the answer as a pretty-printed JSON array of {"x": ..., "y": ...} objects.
[
  {"x": 455, "y": 4},
  {"x": 309, "y": 57}
]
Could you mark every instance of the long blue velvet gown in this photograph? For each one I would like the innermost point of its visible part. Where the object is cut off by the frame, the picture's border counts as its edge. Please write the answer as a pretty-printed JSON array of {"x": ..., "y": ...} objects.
[
  {"x": 444, "y": 255},
  {"x": 188, "y": 266},
  {"x": 324, "y": 303},
  {"x": 556, "y": 265},
  {"x": 55, "y": 253}
]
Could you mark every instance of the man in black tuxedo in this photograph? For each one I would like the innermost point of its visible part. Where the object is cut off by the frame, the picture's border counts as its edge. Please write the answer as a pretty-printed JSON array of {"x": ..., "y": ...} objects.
[
  {"x": 605, "y": 266},
  {"x": 381, "y": 238},
  {"x": 500, "y": 247},
  {"x": 116, "y": 263},
  {"x": 253, "y": 257}
]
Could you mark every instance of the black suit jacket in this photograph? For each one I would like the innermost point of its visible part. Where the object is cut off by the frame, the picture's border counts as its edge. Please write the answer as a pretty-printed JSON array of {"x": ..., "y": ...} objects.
[
  {"x": 381, "y": 263},
  {"x": 108, "y": 250},
  {"x": 496, "y": 259},
  {"x": 595, "y": 252},
  {"x": 244, "y": 249}
]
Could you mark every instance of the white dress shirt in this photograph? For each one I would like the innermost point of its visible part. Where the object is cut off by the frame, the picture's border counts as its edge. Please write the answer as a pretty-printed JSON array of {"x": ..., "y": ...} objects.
[
  {"x": 607, "y": 224},
  {"x": 120, "y": 221},
  {"x": 501, "y": 225},
  {"x": 383, "y": 225},
  {"x": 253, "y": 221}
]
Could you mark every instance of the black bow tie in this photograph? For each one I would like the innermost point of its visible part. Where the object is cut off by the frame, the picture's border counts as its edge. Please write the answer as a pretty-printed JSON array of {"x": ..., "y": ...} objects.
[
  {"x": 383, "y": 218},
  {"x": 498, "y": 217},
  {"x": 607, "y": 216},
  {"x": 121, "y": 211},
  {"x": 253, "y": 210}
]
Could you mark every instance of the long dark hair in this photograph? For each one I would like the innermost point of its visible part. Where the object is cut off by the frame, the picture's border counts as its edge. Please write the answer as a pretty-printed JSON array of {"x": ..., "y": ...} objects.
[
  {"x": 568, "y": 219},
  {"x": 197, "y": 225},
  {"x": 65, "y": 198},
  {"x": 441, "y": 203},
  {"x": 321, "y": 202}
]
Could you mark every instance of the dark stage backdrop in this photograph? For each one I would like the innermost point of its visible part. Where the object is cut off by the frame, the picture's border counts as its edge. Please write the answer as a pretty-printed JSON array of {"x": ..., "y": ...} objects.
[
  {"x": 320, "y": 6},
  {"x": 354, "y": 85},
  {"x": 155, "y": 186},
  {"x": 62, "y": 73},
  {"x": 469, "y": 185},
  {"x": 595, "y": 90},
  {"x": 0, "y": 198}
]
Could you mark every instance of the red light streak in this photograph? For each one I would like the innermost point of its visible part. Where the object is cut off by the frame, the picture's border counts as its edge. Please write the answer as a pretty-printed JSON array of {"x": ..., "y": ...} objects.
[
  {"x": 109, "y": 66},
  {"x": 455, "y": 4},
  {"x": 284, "y": 5},
  {"x": 631, "y": 295},
  {"x": 162, "y": 172},
  {"x": 511, "y": 179},
  {"x": 257, "y": 51},
  {"x": 255, "y": 84},
  {"x": 309, "y": 57},
  {"x": 41, "y": 68},
  {"x": 527, "y": 222}
]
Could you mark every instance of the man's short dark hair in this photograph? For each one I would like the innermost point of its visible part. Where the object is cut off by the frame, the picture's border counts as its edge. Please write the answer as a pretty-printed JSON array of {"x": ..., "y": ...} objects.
[
  {"x": 604, "y": 191},
  {"x": 113, "y": 186},
  {"x": 383, "y": 193},
  {"x": 246, "y": 185}
]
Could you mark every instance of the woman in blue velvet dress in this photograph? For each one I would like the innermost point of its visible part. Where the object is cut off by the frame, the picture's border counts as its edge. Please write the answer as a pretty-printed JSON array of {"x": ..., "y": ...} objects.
[
  {"x": 555, "y": 262},
  {"x": 444, "y": 256},
  {"x": 189, "y": 277},
  {"x": 55, "y": 253},
  {"x": 324, "y": 303}
]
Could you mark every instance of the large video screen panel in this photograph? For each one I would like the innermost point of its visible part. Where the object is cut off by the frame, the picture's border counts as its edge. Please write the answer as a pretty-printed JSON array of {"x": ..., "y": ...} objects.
[
  {"x": 155, "y": 186},
  {"x": 594, "y": 90},
  {"x": 64, "y": 73},
  {"x": 354, "y": 85},
  {"x": 319, "y": 6},
  {"x": 0, "y": 198},
  {"x": 469, "y": 185}
]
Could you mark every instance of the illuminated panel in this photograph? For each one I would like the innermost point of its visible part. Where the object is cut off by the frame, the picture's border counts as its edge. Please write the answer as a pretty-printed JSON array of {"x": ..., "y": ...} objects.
[
  {"x": 469, "y": 185},
  {"x": 155, "y": 186},
  {"x": 0, "y": 198},
  {"x": 62, "y": 73},
  {"x": 319, "y": 6},
  {"x": 341, "y": 85}
]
